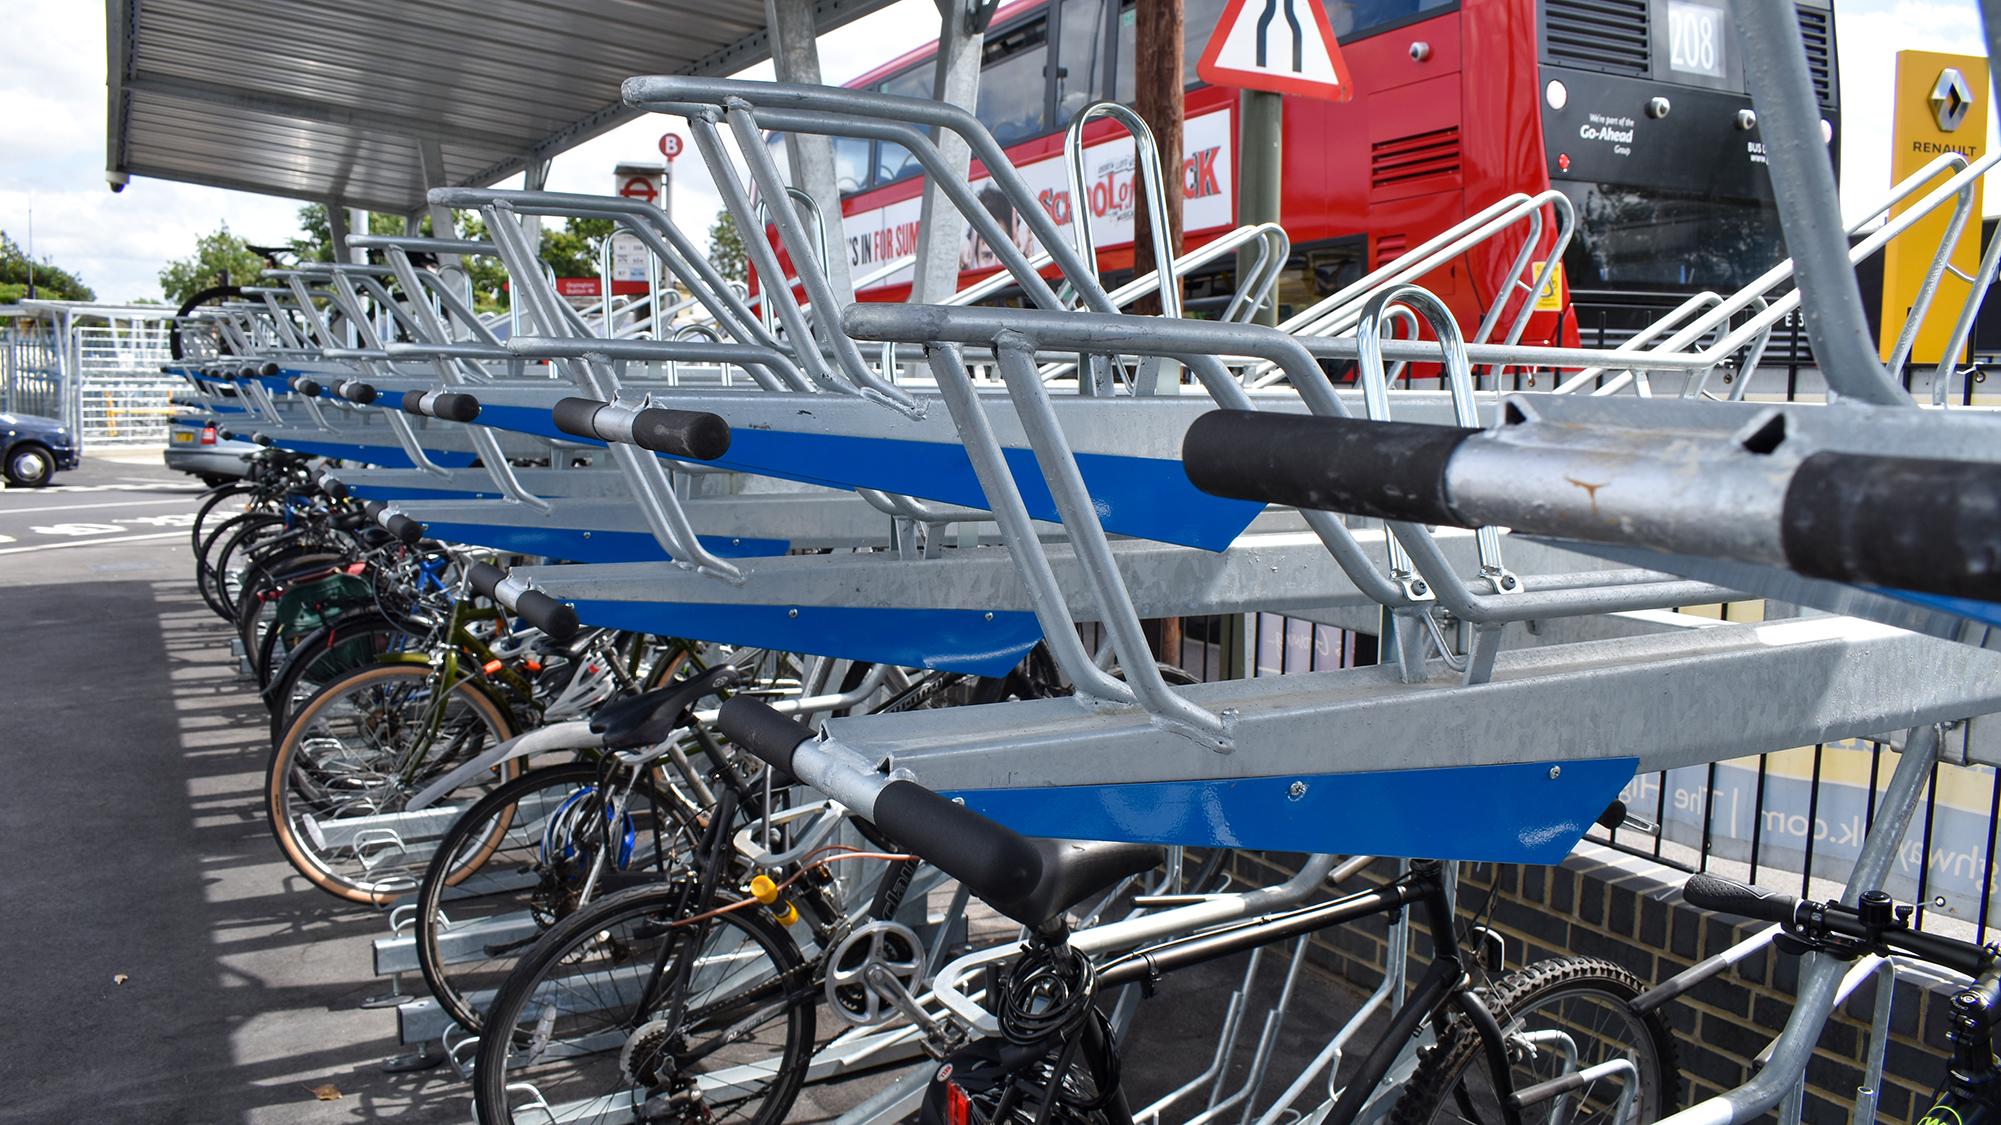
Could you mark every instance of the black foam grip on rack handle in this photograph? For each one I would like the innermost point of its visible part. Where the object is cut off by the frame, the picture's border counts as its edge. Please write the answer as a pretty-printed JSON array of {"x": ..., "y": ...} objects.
[
  {"x": 268, "y": 369},
  {"x": 995, "y": 861},
  {"x": 413, "y": 403},
  {"x": 1907, "y": 523},
  {"x": 404, "y": 528},
  {"x": 692, "y": 434},
  {"x": 761, "y": 730},
  {"x": 573, "y": 416},
  {"x": 1388, "y": 470},
  {"x": 373, "y": 509},
  {"x": 356, "y": 391},
  {"x": 1731, "y": 897},
  {"x": 305, "y": 386},
  {"x": 455, "y": 407},
  {"x": 557, "y": 619},
  {"x": 333, "y": 488},
  {"x": 483, "y": 577}
]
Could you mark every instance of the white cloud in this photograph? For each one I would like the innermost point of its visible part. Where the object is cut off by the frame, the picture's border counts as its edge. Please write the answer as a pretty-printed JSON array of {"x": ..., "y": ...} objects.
[{"x": 1868, "y": 34}]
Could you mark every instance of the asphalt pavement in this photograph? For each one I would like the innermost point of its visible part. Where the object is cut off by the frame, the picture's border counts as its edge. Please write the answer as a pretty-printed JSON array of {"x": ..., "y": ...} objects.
[{"x": 163, "y": 962}]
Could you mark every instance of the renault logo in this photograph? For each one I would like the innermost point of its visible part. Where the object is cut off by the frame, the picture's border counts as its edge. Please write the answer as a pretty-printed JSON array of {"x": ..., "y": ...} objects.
[{"x": 1951, "y": 98}]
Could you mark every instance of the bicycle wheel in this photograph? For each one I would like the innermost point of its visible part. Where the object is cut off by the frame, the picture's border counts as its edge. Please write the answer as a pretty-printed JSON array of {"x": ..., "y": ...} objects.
[
  {"x": 351, "y": 641},
  {"x": 231, "y": 540},
  {"x": 1558, "y": 1017},
  {"x": 518, "y": 862},
  {"x": 355, "y": 754},
  {"x": 587, "y": 1043}
]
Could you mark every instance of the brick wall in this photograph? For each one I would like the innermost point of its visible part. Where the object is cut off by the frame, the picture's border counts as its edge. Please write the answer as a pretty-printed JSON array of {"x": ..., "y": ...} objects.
[{"x": 1599, "y": 903}]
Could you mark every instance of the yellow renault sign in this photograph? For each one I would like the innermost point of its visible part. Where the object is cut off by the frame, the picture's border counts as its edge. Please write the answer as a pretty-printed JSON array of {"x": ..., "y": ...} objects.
[{"x": 1941, "y": 107}]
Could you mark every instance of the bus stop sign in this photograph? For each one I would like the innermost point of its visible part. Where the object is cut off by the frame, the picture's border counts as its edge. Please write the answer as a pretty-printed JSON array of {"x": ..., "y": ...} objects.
[{"x": 1284, "y": 46}]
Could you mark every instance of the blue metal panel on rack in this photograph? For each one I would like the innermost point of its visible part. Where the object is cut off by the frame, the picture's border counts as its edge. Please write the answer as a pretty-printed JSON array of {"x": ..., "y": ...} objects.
[
  {"x": 957, "y": 640},
  {"x": 590, "y": 546},
  {"x": 1524, "y": 813}
]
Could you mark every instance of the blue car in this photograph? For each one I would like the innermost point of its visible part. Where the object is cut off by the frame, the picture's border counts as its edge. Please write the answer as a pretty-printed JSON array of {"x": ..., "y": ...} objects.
[{"x": 33, "y": 449}]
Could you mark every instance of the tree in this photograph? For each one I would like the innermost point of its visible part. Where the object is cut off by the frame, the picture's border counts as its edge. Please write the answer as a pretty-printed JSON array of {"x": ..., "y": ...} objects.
[
  {"x": 219, "y": 259},
  {"x": 489, "y": 277},
  {"x": 573, "y": 251},
  {"x": 317, "y": 245},
  {"x": 726, "y": 250},
  {"x": 51, "y": 284}
]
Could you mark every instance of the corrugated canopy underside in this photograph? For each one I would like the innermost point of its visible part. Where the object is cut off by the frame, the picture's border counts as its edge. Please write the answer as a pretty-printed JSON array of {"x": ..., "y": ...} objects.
[{"x": 369, "y": 104}]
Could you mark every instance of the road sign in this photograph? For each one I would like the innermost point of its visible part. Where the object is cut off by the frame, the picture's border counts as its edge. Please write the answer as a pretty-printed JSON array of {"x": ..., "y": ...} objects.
[
  {"x": 1284, "y": 46},
  {"x": 670, "y": 145}
]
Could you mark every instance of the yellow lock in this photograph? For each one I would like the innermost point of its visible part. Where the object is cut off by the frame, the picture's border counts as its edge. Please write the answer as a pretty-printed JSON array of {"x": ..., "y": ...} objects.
[{"x": 765, "y": 891}]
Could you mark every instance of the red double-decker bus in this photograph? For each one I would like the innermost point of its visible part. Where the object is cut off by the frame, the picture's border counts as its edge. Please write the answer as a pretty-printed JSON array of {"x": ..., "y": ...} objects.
[{"x": 1637, "y": 110}]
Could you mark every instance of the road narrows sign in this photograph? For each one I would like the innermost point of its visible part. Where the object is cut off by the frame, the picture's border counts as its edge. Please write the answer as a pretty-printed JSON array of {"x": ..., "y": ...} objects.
[{"x": 1284, "y": 46}]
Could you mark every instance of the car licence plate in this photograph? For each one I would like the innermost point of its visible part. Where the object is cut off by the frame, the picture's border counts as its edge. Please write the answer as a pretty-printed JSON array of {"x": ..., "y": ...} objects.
[{"x": 183, "y": 438}]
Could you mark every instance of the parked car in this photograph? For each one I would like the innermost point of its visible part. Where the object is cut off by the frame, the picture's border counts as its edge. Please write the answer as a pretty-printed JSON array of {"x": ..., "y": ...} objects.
[
  {"x": 195, "y": 446},
  {"x": 34, "y": 449}
]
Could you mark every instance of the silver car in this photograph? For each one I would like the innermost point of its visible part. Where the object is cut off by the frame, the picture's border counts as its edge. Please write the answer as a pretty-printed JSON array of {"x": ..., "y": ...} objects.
[{"x": 196, "y": 445}]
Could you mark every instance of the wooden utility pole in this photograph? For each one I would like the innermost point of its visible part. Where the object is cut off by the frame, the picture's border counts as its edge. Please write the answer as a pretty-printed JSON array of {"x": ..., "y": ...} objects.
[{"x": 1157, "y": 88}]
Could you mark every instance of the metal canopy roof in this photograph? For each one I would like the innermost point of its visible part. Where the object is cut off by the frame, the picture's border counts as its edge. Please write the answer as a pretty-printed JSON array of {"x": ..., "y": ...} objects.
[{"x": 367, "y": 104}]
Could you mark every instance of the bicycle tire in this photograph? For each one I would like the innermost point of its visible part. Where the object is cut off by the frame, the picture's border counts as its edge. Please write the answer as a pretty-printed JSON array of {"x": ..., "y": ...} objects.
[
  {"x": 1452, "y": 1083},
  {"x": 209, "y": 579},
  {"x": 581, "y": 1042},
  {"x": 335, "y": 764},
  {"x": 215, "y": 497},
  {"x": 350, "y": 641},
  {"x": 493, "y": 887}
]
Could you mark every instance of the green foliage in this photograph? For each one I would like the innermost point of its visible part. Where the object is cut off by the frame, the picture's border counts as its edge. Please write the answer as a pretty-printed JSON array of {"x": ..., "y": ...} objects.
[
  {"x": 573, "y": 251},
  {"x": 726, "y": 250},
  {"x": 219, "y": 259},
  {"x": 489, "y": 277},
  {"x": 317, "y": 245},
  {"x": 51, "y": 284}
]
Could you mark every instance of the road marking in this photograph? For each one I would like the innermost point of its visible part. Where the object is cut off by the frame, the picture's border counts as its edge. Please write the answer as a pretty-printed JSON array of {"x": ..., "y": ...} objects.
[
  {"x": 89, "y": 542},
  {"x": 77, "y": 529},
  {"x": 79, "y": 507}
]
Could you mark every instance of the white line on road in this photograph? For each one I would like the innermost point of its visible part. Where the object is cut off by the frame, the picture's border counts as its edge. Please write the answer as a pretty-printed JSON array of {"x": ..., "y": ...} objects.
[
  {"x": 92, "y": 542},
  {"x": 78, "y": 507}
]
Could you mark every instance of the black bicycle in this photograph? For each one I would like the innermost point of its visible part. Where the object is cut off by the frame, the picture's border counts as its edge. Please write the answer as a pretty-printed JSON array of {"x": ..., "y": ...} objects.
[{"x": 1554, "y": 1044}]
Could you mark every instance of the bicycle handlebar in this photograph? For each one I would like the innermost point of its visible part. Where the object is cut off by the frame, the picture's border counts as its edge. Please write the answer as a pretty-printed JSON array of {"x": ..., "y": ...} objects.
[
  {"x": 557, "y": 619},
  {"x": 994, "y": 861},
  {"x": 689, "y": 434},
  {"x": 1728, "y": 895}
]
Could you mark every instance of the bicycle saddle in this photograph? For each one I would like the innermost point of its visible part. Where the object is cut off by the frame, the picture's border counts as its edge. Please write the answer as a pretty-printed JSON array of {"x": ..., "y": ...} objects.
[
  {"x": 1074, "y": 870},
  {"x": 650, "y": 717}
]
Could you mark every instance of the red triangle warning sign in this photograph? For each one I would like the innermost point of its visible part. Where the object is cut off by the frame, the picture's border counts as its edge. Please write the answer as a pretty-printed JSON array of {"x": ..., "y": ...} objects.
[{"x": 1284, "y": 46}]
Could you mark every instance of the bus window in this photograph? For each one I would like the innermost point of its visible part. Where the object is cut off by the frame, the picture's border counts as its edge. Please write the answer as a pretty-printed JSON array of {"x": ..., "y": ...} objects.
[
  {"x": 1122, "y": 69},
  {"x": 1649, "y": 238},
  {"x": 1353, "y": 18},
  {"x": 893, "y": 161},
  {"x": 1013, "y": 85},
  {"x": 1198, "y": 22},
  {"x": 1080, "y": 57},
  {"x": 851, "y": 164}
]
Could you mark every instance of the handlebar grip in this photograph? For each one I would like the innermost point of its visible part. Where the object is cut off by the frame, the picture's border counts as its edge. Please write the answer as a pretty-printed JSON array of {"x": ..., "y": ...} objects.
[
  {"x": 761, "y": 730},
  {"x": 455, "y": 407},
  {"x": 404, "y": 528},
  {"x": 557, "y": 619},
  {"x": 995, "y": 861},
  {"x": 268, "y": 368},
  {"x": 413, "y": 402},
  {"x": 305, "y": 386},
  {"x": 573, "y": 416},
  {"x": 1388, "y": 470},
  {"x": 692, "y": 434},
  {"x": 356, "y": 391},
  {"x": 262, "y": 439},
  {"x": 1731, "y": 897},
  {"x": 483, "y": 577},
  {"x": 333, "y": 488},
  {"x": 1908, "y": 523}
]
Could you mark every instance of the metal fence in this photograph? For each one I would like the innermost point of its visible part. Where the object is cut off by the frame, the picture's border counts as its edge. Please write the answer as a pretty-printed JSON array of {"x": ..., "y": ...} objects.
[{"x": 95, "y": 367}]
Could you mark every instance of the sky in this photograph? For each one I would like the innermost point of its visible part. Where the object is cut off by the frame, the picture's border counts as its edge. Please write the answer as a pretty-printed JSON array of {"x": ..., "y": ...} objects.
[{"x": 52, "y": 136}]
